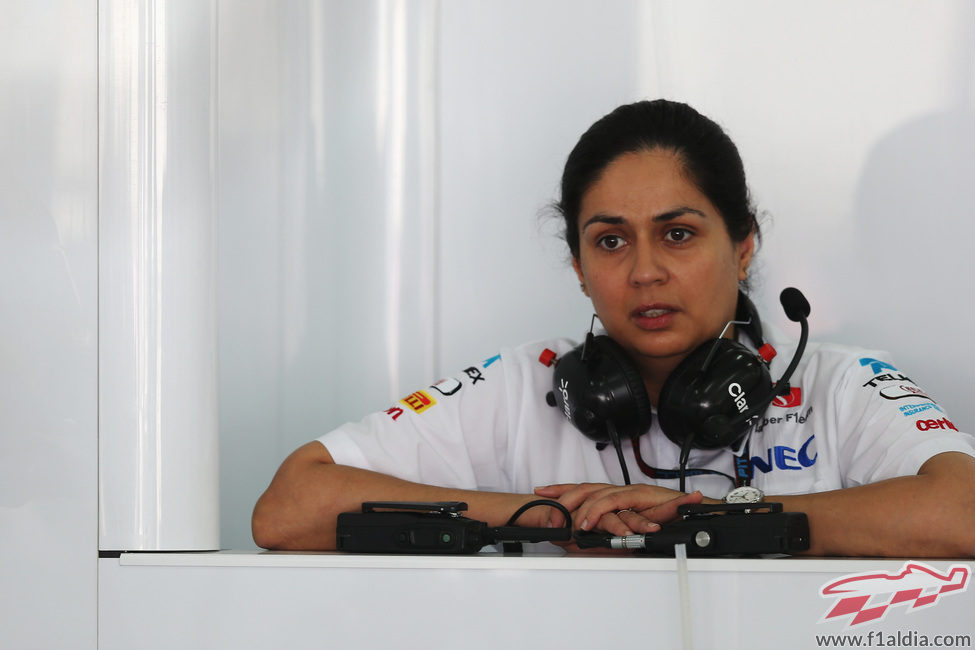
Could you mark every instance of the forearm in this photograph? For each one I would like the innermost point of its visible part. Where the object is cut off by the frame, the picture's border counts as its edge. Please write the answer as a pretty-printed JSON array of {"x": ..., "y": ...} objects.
[
  {"x": 928, "y": 515},
  {"x": 300, "y": 507}
]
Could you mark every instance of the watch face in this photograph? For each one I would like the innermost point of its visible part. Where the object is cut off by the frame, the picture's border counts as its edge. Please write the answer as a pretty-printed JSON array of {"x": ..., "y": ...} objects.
[{"x": 746, "y": 494}]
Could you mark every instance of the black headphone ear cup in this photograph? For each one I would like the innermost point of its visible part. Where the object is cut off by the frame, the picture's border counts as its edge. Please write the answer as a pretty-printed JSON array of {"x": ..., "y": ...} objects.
[
  {"x": 629, "y": 408},
  {"x": 674, "y": 403},
  {"x": 597, "y": 383},
  {"x": 702, "y": 403}
]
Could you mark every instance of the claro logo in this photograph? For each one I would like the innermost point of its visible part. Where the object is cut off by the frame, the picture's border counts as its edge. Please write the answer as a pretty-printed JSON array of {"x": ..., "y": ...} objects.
[{"x": 738, "y": 394}]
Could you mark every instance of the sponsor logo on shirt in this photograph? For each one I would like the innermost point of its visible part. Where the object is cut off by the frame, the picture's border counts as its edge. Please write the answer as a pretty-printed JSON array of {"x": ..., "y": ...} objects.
[
  {"x": 419, "y": 401},
  {"x": 903, "y": 391},
  {"x": 879, "y": 379},
  {"x": 798, "y": 417},
  {"x": 475, "y": 374},
  {"x": 903, "y": 388},
  {"x": 792, "y": 399},
  {"x": 913, "y": 409},
  {"x": 943, "y": 423},
  {"x": 448, "y": 386},
  {"x": 785, "y": 458},
  {"x": 875, "y": 365}
]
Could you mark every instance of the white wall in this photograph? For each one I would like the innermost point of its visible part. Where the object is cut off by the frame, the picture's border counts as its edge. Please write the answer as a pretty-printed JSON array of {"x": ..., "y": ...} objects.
[
  {"x": 340, "y": 119},
  {"x": 48, "y": 324},
  {"x": 854, "y": 121}
]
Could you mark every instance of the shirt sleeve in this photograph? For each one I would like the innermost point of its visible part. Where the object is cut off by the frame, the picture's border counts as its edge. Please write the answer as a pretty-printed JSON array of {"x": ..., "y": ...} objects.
[
  {"x": 452, "y": 433},
  {"x": 888, "y": 425}
]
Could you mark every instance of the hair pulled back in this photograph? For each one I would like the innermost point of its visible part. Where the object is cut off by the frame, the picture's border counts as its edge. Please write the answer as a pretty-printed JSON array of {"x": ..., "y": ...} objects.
[{"x": 709, "y": 158}]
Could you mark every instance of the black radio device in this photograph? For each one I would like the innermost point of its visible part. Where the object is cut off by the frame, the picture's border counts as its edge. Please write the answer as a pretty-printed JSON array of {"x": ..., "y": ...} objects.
[
  {"x": 718, "y": 529},
  {"x": 432, "y": 528}
]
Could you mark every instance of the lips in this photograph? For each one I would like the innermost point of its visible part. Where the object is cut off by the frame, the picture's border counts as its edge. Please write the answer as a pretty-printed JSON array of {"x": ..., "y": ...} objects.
[{"x": 655, "y": 316}]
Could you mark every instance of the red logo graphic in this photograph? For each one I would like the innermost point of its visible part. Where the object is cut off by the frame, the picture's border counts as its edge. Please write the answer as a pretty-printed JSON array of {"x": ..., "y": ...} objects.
[
  {"x": 916, "y": 584},
  {"x": 794, "y": 398},
  {"x": 943, "y": 423}
]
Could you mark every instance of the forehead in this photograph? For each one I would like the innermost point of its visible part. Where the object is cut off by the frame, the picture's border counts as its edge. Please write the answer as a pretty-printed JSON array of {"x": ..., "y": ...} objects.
[{"x": 643, "y": 183}]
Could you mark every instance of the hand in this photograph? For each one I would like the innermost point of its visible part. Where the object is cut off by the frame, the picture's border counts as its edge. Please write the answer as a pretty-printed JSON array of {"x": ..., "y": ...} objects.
[{"x": 619, "y": 510}]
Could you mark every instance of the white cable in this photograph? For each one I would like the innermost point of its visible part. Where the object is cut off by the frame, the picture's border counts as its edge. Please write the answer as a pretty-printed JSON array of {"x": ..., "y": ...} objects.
[{"x": 680, "y": 553}]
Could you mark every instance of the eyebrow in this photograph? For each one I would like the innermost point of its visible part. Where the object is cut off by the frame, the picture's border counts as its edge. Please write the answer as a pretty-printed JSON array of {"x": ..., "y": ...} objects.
[{"x": 666, "y": 216}]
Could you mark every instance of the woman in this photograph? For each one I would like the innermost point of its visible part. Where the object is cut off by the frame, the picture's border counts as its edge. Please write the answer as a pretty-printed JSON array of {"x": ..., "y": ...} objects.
[{"x": 662, "y": 236}]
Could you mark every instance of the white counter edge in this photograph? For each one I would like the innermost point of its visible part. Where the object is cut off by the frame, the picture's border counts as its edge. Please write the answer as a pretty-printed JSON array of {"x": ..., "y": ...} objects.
[{"x": 497, "y": 561}]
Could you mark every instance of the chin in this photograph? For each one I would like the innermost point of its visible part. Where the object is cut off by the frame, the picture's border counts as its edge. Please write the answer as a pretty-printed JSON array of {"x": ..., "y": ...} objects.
[{"x": 661, "y": 351}]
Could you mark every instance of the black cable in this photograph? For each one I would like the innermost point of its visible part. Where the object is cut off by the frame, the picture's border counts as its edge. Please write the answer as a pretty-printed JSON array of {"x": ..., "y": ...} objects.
[
  {"x": 615, "y": 437},
  {"x": 542, "y": 502},
  {"x": 685, "y": 453},
  {"x": 672, "y": 474},
  {"x": 512, "y": 535}
]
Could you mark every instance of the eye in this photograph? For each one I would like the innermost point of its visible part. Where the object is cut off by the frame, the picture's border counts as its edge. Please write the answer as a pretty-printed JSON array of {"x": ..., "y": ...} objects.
[
  {"x": 678, "y": 235},
  {"x": 610, "y": 242}
]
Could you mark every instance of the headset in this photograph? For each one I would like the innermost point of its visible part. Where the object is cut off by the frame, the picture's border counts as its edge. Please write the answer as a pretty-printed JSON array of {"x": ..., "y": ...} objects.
[{"x": 709, "y": 401}]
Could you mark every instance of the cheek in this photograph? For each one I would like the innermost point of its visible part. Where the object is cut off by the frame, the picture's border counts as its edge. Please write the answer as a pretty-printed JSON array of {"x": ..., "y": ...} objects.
[
  {"x": 726, "y": 268},
  {"x": 600, "y": 284},
  {"x": 717, "y": 283}
]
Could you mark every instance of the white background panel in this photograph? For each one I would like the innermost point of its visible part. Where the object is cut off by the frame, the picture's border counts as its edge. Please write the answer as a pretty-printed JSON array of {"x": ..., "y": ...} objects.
[
  {"x": 48, "y": 324},
  {"x": 854, "y": 122}
]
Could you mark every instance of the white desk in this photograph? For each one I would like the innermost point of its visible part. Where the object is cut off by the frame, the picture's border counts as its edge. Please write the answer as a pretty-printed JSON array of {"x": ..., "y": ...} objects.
[{"x": 327, "y": 600}]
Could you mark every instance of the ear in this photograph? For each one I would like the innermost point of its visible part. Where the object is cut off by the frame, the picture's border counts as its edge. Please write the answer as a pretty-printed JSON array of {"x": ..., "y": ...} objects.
[
  {"x": 577, "y": 265},
  {"x": 745, "y": 250}
]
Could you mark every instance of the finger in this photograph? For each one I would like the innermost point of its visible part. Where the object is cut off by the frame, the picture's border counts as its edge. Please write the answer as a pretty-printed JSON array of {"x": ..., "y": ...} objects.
[
  {"x": 558, "y": 490},
  {"x": 576, "y": 495},
  {"x": 598, "y": 505},
  {"x": 554, "y": 491},
  {"x": 613, "y": 524},
  {"x": 637, "y": 522},
  {"x": 638, "y": 498},
  {"x": 667, "y": 511},
  {"x": 554, "y": 518}
]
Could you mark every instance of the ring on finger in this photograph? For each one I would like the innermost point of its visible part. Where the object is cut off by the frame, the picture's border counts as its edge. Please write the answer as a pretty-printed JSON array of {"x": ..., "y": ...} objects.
[{"x": 619, "y": 513}]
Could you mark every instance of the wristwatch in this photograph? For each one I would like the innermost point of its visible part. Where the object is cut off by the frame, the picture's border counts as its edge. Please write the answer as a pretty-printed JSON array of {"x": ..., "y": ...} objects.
[{"x": 744, "y": 494}]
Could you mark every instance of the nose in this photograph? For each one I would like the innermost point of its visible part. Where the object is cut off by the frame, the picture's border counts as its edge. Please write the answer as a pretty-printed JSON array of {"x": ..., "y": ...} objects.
[{"x": 648, "y": 266}]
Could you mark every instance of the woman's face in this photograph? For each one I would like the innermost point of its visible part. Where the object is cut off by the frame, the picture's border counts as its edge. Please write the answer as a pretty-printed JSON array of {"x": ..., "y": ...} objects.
[{"x": 656, "y": 259}]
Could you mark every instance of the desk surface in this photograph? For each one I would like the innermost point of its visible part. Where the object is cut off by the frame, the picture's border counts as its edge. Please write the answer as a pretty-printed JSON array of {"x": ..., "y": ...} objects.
[{"x": 251, "y": 599}]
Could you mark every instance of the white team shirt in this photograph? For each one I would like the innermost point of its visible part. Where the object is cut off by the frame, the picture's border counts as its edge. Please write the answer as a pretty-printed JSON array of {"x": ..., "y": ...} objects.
[{"x": 852, "y": 418}]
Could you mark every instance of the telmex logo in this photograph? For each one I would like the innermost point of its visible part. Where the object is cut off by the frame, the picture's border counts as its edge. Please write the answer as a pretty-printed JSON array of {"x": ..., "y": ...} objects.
[
  {"x": 916, "y": 585},
  {"x": 875, "y": 365}
]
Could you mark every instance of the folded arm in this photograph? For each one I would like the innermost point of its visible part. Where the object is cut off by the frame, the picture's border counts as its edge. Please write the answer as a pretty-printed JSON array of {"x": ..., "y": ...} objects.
[
  {"x": 298, "y": 511},
  {"x": 931, "y": 514}
]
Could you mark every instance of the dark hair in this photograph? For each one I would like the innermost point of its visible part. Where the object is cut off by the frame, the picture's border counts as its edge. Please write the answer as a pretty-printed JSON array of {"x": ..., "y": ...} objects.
[{"x": 709, "y": 157}]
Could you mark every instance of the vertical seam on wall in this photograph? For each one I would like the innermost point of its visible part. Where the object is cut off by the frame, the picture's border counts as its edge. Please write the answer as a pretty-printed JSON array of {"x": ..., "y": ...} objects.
[
  {"x": 98, "y": 314},
  {"x": 432, "y": 188}
]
